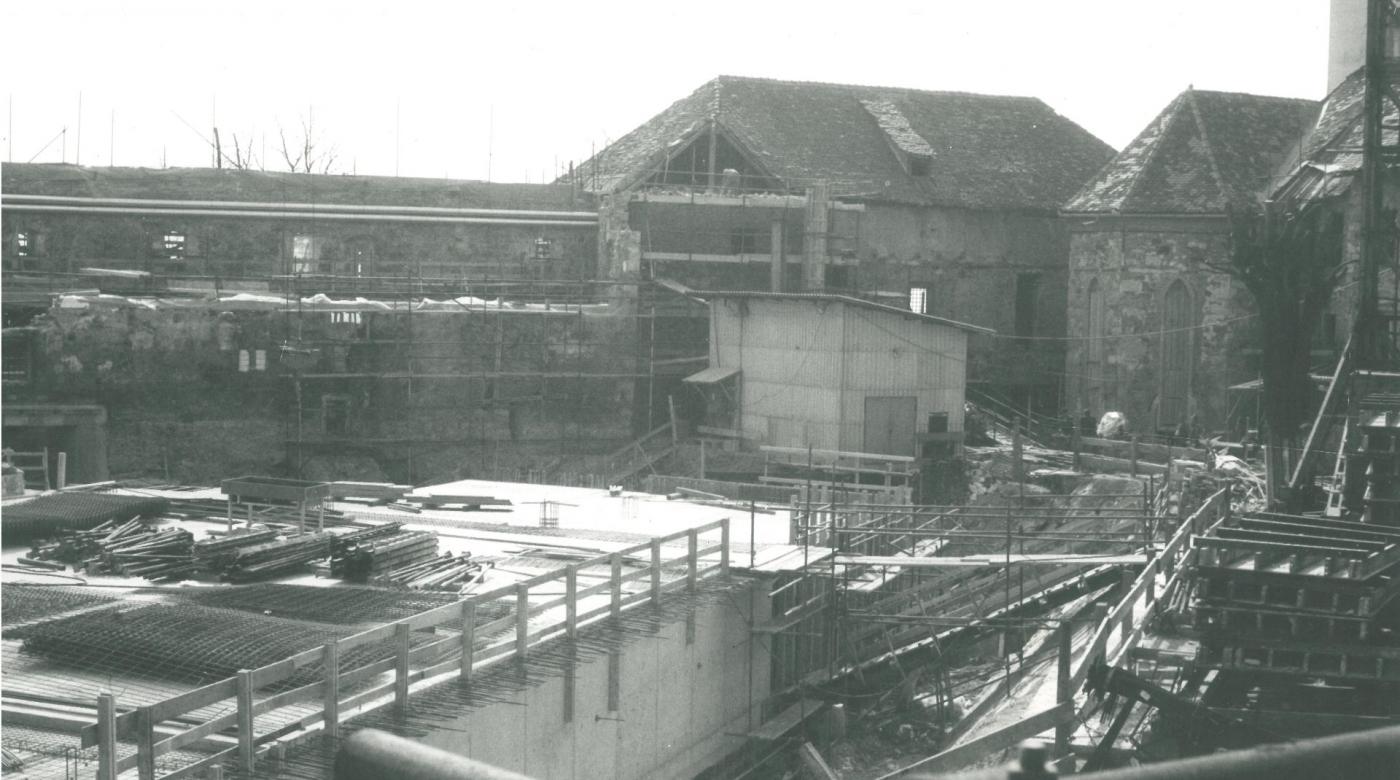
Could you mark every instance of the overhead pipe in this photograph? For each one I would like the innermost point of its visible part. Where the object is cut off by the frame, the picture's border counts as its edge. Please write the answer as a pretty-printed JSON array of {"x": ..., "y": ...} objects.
[
  {"x": 300, "y": 215},
  {"x": 374, "y": 755},
  {"x": 350, "y": 208}
]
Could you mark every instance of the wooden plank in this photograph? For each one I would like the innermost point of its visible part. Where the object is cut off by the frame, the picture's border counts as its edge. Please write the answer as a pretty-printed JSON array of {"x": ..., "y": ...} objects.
[
  {"x": 984, "y": 746},
  {"x": 207, "y": 763},
  {"x": 402, "y": 634},
  {"x": 284, "y": 698},
  {"x": 774, "y": 728},
  {"x": 107, "y": 737},
  {"x": 193, "y": 735},
  {"x": 192, "y": 700}
]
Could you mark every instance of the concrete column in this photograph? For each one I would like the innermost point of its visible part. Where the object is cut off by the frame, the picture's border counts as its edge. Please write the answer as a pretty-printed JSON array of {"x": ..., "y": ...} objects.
[{"x": 775, "y": 272}]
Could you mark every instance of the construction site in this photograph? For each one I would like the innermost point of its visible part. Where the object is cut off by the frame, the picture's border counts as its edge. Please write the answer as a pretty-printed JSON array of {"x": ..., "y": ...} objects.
[{"x": 807, "y": 430}]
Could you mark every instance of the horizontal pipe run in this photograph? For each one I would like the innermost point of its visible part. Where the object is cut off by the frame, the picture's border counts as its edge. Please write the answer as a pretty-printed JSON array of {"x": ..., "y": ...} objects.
[
  {"x": 246, "y": 205},
  {"x": 304, "y": 215}
]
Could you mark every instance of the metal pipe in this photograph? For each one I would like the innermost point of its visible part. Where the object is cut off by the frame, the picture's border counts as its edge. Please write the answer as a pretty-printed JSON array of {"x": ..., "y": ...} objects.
[
  {"x": 248, "y": 205},
  {"x": 1362, "y": 755},
  {"x": 372, "y": 755},
  {"x": 302, "y": 215}
]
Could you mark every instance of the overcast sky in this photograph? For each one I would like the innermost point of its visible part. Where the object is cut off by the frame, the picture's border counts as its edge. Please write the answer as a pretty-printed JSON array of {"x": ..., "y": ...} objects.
[{"x": 452, "y": 88}]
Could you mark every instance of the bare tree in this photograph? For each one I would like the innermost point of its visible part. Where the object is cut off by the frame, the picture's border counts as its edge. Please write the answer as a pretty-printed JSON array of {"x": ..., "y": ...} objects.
[
  {"x": 1290, "y": 261},
  {"x": 243, "y": 158},
  {"x": 307, "y": 154}
]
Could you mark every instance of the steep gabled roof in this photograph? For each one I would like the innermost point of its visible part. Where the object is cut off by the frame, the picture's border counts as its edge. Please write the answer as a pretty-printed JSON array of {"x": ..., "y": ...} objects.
[
  {"x": 983, "y": 151},
  {"x": 1204, "y": 153},
  {"x": 1325, "y": 161},
  {"x": 278, "y": 186}
]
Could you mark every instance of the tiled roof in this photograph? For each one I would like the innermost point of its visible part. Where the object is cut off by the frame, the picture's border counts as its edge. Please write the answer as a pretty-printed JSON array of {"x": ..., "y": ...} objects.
[
  {"x": 1327, "y": 159},
  {"x": 275, "y": 186},
  {"x": 1204, "y": 153},
  {"x": 985, "y": 151}
]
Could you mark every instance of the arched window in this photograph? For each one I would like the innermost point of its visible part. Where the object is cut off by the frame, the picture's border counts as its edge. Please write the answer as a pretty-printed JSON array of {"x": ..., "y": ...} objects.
[
  {"x": 1095, "y": 351},
  {"x": 1177, "y": 323}
]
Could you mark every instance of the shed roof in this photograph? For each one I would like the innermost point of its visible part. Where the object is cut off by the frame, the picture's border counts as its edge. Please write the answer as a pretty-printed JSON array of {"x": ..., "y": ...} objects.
[
  {"x": 984, "y": 151},
  {"x": 1204, "y": 153},
  {"x": 225, "y": 184},
  {"x": 846, "y": 299}
]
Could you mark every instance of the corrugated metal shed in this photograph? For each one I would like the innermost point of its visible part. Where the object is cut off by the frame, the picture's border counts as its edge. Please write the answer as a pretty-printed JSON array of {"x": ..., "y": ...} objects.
[{"x": 823, "y": 370}]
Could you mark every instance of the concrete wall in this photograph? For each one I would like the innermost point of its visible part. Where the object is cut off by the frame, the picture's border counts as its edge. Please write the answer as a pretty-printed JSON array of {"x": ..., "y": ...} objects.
[
  {"x": 1135, "y": 262},
  {"x": 808, "y": 366},
  {"x": 680, "y": 705}
]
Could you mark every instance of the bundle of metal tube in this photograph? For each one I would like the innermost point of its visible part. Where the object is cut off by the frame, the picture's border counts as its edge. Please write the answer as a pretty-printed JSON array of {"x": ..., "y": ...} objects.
[
  {"x": 365, "y": 560},
  {"x": 218, "y": 554},
  {"x": 447, "y": 572},
  {"x": 77, "y": 546},
  {"x": 160, "y": 556},
  {"x": 270, "y": 558}
]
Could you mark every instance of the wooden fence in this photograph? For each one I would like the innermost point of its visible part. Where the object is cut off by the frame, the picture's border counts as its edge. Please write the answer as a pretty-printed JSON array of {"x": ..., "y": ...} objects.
[{"x": 456, "y": 652}]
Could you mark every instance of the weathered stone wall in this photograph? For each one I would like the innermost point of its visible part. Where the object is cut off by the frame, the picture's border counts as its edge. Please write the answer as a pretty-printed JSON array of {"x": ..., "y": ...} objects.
[
  {"x": 1134, "y": 263},
  {"x": 489, "y": 388},
  {"x": 970, "y": 262}
]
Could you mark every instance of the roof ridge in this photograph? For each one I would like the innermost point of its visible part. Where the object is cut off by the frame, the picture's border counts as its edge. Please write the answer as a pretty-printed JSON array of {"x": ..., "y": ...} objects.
[
  {"x": 1210, "y": 150},
  {"x": 1168, "y": 118},
  {"x": 957, "y": 92}
]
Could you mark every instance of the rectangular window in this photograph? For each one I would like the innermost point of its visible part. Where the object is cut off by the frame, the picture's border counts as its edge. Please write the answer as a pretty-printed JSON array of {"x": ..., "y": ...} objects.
[
  {"x": 1027, "y": 290},
  {"x": 918, "y": 300},
  {"x": 544, "y": 249},
  {"x": 306, "y": 251},
  {"x": 173, "y": 244},
  {"x": 335, "y": 414},
  {"x": 345, "y": 317},
  {"x": 24, "y": 244},
  {"x": 743, "y": 241}
]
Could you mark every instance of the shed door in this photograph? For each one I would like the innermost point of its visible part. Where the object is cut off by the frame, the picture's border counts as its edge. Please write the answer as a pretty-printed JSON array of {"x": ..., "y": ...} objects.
[{"x": 889, "y": 425}]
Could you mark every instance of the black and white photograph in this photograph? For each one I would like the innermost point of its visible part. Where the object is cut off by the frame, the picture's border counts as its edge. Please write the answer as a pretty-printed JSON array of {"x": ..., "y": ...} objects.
[{"x": 908, "y": 389}]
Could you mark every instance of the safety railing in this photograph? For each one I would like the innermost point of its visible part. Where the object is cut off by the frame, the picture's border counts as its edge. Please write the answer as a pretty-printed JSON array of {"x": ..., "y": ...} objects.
[
  {"x": 342, "y": 690},
  {"x": 1135, "y": 610}
]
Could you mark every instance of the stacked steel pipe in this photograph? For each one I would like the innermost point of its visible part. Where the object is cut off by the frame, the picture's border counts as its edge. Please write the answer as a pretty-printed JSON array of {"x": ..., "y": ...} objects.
[
  {"x": 218, "y": 554},
  {"x": 363, "y": 560},
  {"x": 159, "y": 556},
  {"x": 270, "y": 558},
  {"x": 447, "y": 572}
]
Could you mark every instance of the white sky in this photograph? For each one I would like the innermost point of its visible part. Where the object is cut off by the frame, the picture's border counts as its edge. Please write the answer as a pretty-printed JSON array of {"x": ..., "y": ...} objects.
[{"x": 559, "y": 77}]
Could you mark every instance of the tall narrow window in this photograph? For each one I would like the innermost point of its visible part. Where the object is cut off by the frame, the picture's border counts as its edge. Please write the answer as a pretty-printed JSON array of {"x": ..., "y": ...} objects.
[
  {"x": 1027, "y": 290},
  {"x": 918, "y": 300},
  {"x": 24, "y": 244},
  {"x": 1095, "y": 350},
  {"x": 306, "y": 251},
  {"x": 1176, "y": 355}
]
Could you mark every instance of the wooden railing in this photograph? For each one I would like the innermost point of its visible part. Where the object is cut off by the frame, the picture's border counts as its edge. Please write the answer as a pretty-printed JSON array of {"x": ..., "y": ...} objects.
[
  {"x": 1126, "y": 621},
  {"x": 341, "y": 690},
  {"x": 1135, "y": 610}
]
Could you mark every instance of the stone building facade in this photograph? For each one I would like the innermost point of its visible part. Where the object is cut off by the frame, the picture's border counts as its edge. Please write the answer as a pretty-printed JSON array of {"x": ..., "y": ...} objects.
[
  {"x": 944, "y": 202},
  {"x": 1156, "y": 328}
]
